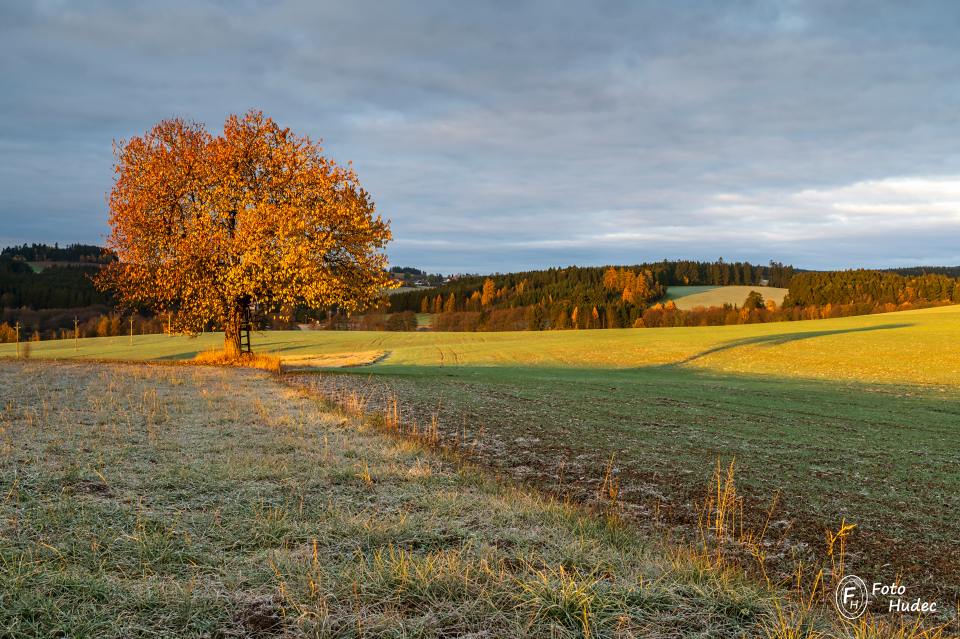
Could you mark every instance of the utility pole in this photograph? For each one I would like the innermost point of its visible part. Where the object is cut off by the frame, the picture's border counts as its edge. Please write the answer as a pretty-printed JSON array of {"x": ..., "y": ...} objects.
[
  {"x": 76, "y": 334},
  {"x": 131, "y": 330},
  {"x": 17, "y": 328}
]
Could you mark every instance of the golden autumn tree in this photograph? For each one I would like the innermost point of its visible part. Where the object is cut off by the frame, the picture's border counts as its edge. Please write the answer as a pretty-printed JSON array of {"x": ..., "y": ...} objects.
[
  {"x": 489, "y": 292},
  {"x": 207, "y": 227},
  {"x": 611, "y": 278},
  {"x": 451, "y": 305}
]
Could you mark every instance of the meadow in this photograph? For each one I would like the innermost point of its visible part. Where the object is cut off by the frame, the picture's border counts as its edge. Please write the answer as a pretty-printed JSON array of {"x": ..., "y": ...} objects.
[
  {"x": 850, "y": 419},
  {"x": 689, "y": 297},
  {"x": 145, "y": 501},
  {"x": 911, "y": 347}
]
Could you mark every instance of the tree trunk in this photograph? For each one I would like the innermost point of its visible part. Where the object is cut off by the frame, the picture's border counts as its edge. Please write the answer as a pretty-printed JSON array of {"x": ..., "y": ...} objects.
[{"x": 231, "y": 334}]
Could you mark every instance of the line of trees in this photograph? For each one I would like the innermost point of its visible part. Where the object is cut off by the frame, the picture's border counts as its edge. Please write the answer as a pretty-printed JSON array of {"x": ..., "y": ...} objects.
[
  {"x": 70, "y": 253},
  {"x": 58, "y": 323},
  {"x": 45, "y": 303},
  {"x": 403, "y": 321},
  {"x": 666, "y": 315},
  {"x": 949, "y": 271},
  {"x": 586, "y": 298},
  {"x": 720, "y": 273},
  {"x": 569, "y": 298},
  {"x": 585, "y": 286},
  {"x": 573, "y": 297},
  {"x": 871, "y": 288},
  {"x": 53, "y": 287}
]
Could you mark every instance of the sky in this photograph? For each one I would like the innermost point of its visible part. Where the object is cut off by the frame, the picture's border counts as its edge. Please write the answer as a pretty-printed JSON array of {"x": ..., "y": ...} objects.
[{"x": 501, "y": 136}]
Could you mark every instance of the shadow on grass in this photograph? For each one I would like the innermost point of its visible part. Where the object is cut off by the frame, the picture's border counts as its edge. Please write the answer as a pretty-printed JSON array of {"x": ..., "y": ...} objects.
[
  {"x": 174, "y": 357},
  {"x": 782, "y": 338}
]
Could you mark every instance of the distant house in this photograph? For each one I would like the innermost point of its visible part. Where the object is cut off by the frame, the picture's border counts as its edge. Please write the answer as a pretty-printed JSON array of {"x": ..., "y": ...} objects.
[{"x": 764, "y": 282}]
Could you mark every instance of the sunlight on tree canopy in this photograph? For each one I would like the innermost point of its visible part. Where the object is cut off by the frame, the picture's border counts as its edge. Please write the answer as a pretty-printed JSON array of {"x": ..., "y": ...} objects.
[{"x": 205, "y": 226}]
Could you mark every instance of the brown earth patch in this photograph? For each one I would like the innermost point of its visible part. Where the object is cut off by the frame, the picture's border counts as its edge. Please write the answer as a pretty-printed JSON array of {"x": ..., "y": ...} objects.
[{"x": 88, "y": 487}]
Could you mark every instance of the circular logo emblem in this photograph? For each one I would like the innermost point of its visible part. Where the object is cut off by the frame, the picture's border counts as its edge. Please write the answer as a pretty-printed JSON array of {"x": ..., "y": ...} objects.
[{"x": 851, "y": 597}]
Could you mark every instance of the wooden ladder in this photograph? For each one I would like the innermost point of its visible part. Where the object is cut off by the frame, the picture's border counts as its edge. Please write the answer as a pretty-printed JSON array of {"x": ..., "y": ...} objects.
[{"x": 245, "y": 331}]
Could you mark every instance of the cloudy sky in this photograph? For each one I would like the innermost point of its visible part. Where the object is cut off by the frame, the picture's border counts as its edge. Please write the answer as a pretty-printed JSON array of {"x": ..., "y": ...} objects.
[{"x": 505, "y": 135}]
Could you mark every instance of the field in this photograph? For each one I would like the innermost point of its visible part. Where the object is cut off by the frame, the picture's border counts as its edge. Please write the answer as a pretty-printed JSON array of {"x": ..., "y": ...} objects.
[
  {"x": 912, "y": 347},
  {"x": 158, "y": 501},
  {"x": 676, "y": 292},
  {"x": 848, "y": 419},
  {"x": 688, "y": 297}
]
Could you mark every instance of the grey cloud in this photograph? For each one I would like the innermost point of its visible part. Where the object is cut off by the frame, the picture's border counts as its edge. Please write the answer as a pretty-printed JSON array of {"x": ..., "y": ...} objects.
[{"x": 512, "y": 135}]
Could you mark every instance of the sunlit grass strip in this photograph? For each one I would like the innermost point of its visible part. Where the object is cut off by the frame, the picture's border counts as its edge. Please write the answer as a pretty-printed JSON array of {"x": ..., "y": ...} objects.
[{"x": 920, "y": 346}]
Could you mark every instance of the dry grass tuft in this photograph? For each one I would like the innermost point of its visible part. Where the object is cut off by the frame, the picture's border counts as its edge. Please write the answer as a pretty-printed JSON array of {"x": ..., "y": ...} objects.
[
  {"x": 262, "y": 361},
  {"x": 792, "y": 624},
  {"x": 871, "y": 627},
  {"x": 346, "y": 359}
]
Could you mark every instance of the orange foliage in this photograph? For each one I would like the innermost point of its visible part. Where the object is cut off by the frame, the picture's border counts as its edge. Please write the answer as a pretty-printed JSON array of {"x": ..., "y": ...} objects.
[
  {"x": 204, "y": 226},
  {"x": 489, "y": 292}
]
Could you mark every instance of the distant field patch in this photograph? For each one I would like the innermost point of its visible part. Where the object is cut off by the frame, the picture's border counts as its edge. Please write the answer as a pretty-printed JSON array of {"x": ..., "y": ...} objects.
[
  {"x": 39, "y": 267},
  {"x": 677, "y": 292},
  {"x": 688, "y": 297},
  {"x": 406, "y": 289}
]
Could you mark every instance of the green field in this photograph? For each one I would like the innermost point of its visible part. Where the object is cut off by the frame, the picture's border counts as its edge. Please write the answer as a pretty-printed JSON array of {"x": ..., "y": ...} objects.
[
  {"x": 676, "y": 292},
  {"x": 688, "y": 297},
  {"x": 424, "y": 320},
  {"x": 850, "y": 418},
  {"x": 915, "y": 347}
]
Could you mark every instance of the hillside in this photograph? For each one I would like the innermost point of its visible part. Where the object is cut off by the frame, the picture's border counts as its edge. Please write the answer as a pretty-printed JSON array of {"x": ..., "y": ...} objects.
[{"x": 572, "y": 297}]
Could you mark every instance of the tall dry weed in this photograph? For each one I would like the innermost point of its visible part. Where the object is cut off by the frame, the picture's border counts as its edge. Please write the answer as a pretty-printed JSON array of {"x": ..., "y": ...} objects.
[{"x": 262, "y": 361}]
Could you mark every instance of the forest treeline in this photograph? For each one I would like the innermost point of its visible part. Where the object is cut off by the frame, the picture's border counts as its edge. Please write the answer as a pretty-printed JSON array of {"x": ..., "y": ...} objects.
[
  {"x": 876, "y": 288},
  {"x": 47, "y": 303},
  {"x": 559, "y": 298},
  {"x": 581, "y": 298},
  {"x": 586, "y": 286},
  {"x": 573, "y": 297},
  {"x": 87, "y": 253},
  {"x": 950, "y": 271},
  {"x": 53, "y": 287},
  {"x": 67, "y": 323}
]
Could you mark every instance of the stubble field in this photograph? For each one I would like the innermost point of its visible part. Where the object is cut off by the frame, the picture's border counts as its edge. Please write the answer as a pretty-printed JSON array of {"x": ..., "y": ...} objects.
[
  {"x": 146, "y": 501},
  {"x": 850, "y": 419}
]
